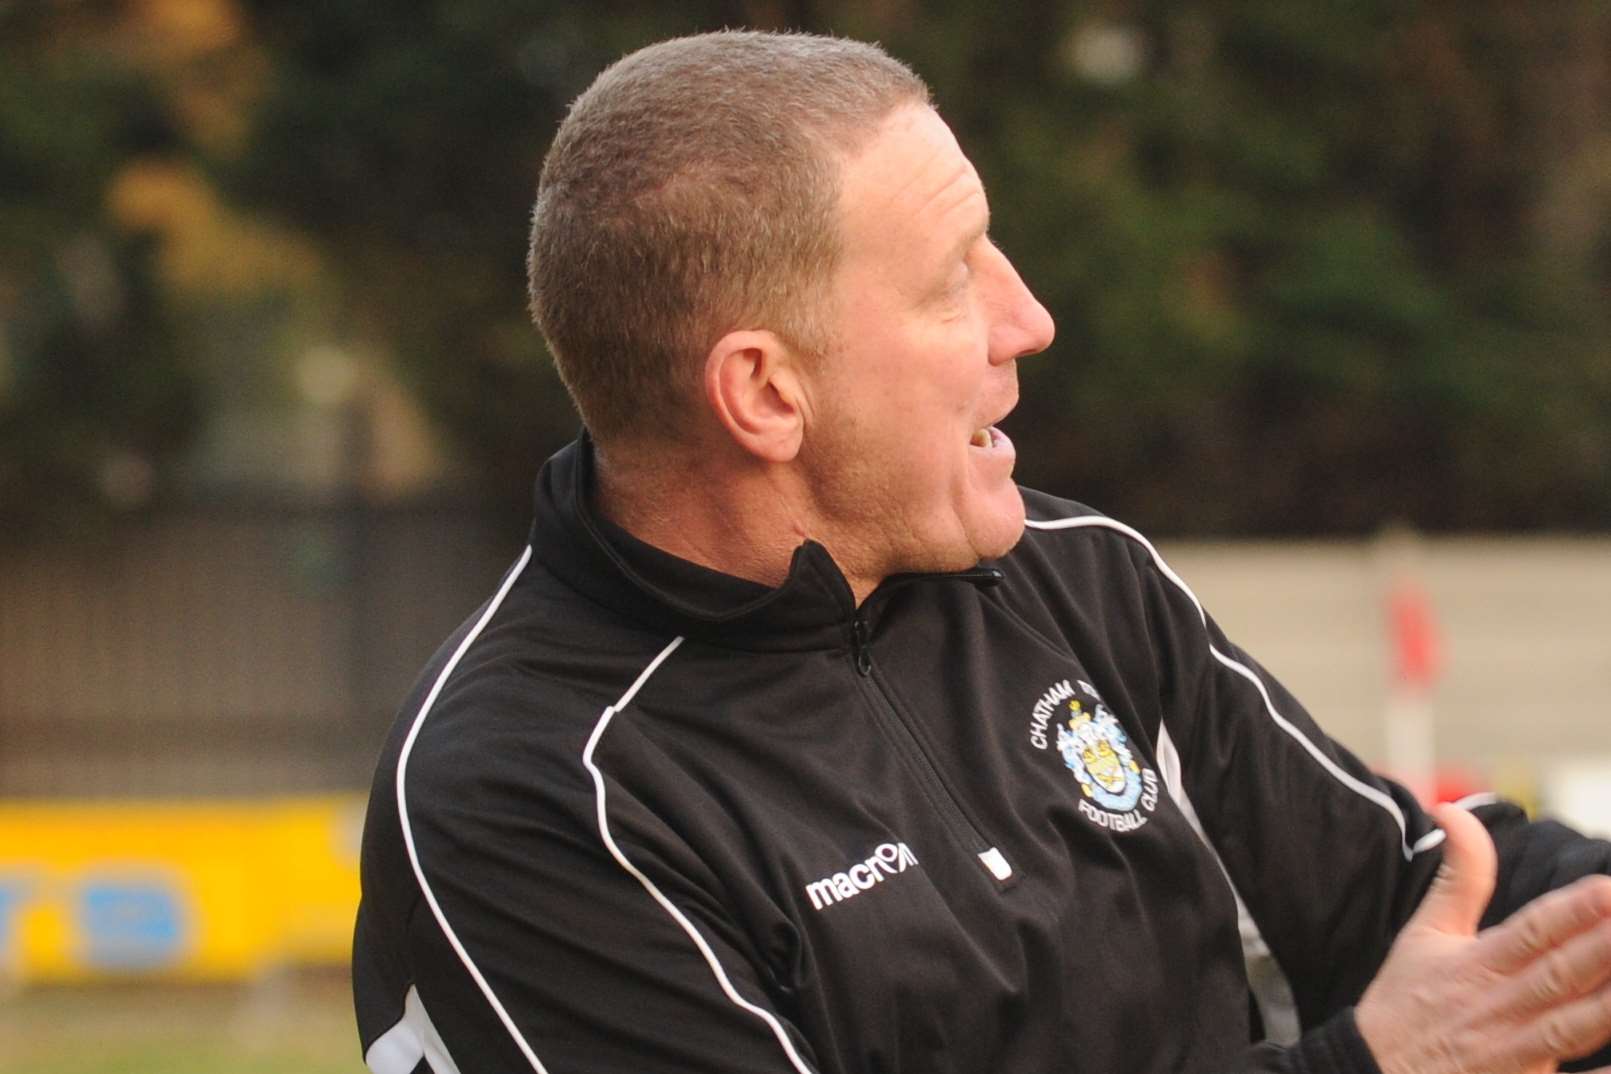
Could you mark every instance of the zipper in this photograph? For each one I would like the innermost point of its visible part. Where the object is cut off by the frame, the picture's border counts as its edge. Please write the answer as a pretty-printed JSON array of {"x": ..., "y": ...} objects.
[
  {"x": 861, "y": 630},
  {"x": 859, "y": 645},
  {"x": 909, "y": 745}
]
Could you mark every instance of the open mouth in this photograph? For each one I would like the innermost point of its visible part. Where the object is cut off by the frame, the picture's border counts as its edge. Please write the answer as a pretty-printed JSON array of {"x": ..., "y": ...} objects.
[
  {"x": 989, "y": 438},
  {"x": 992, "y": 445}
]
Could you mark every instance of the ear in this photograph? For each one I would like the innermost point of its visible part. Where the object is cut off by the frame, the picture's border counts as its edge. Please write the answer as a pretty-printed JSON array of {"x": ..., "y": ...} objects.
[{"x": 752, "y": 384}]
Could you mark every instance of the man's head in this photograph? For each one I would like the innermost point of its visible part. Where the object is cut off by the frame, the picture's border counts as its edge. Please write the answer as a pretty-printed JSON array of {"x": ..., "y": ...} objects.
[
  {"x": 908, "y": 470},
  {"x": 693, "y": 190},
  {"x": 796, "y": 309}
]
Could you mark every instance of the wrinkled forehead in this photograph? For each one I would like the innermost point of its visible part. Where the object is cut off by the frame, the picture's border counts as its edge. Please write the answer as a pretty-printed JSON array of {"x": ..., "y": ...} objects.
[{"x": 910, "y": 186}]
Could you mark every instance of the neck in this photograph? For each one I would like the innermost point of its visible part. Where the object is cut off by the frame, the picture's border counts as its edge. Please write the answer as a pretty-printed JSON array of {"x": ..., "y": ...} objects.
[{"x": 722, "y": 509}]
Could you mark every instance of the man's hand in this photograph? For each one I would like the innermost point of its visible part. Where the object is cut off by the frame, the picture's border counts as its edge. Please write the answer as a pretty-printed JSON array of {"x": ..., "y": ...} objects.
[{"x": 1516, "y": 998}]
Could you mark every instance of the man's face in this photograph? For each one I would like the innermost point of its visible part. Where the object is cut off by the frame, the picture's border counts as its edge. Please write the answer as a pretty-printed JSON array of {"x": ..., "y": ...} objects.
[{"x": 928, "y": 318}]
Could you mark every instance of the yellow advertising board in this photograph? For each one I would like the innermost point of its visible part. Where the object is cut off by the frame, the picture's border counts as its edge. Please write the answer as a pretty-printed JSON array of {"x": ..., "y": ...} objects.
[{"x": 179, "y": 890}]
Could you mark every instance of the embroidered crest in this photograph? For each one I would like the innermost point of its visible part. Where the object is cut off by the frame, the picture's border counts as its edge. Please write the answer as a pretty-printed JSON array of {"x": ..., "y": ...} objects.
[
  {"x": 1117, "y": 791},
  {"x": 1096, "y": 750}
]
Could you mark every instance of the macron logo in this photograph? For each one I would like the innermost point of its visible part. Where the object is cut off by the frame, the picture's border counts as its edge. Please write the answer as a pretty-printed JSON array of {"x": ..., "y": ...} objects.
[{"x": 887, "y": 860}]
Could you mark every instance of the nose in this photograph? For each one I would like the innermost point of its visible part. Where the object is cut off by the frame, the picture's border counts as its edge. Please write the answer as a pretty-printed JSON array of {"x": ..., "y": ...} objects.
[{"x": 1019, "y": 324}]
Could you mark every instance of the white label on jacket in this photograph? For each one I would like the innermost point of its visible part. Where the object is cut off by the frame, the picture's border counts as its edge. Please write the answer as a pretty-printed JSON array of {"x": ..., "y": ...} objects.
[{"x": 886, "y": 861}]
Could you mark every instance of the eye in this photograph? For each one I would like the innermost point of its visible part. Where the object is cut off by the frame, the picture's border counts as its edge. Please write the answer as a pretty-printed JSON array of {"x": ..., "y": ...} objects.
[
  {"x": 970, "y": 259},
  {"x": 962, "y": 275},
  {"x": 957, "y": 283}
]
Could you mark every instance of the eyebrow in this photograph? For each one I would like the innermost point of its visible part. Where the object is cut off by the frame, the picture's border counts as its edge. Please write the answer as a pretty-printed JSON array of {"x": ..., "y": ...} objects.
[
  {"x": 972, "y": 236},
  {"x": 960, "y": 248}
]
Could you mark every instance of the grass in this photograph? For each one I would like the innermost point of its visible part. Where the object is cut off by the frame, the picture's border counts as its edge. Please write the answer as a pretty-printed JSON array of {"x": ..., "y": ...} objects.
[{"x": 294, "y": 1024}]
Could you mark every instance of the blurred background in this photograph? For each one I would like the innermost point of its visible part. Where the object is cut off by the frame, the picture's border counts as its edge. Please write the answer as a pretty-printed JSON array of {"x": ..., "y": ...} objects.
[{"x": 1333, "y": 288}]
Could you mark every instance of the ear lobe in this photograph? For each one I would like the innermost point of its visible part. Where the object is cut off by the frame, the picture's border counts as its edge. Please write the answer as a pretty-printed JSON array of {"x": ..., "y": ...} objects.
[{"x": 753, "y": 389}]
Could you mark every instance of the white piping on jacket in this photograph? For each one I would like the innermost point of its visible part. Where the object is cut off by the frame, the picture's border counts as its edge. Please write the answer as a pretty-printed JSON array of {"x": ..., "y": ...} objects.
[
  {"x": 1364, "y": 790},
  {"x": 408, "y": 831},
  {"x": 666, "y": 904}
]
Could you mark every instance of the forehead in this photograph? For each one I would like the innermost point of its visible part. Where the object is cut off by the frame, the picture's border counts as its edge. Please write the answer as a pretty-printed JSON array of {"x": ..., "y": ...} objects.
[{"x": 909, "y": 185}]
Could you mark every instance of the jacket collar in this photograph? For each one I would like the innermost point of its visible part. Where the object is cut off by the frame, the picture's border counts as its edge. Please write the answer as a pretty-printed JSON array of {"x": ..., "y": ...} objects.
[{"x": 813, "y": 607}]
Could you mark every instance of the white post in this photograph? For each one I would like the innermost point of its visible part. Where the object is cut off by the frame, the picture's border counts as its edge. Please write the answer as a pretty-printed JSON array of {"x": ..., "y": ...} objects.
[{"x": 1409, "y": 719}]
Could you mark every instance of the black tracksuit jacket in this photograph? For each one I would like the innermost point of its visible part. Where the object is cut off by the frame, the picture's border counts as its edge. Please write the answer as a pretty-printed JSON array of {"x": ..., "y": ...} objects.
[{"x": 641, "y": 816}]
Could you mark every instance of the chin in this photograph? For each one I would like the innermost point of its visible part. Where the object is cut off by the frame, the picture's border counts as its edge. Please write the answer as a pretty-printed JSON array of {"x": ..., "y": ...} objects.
[
  {"x": 995, "y": 534},
  {"x": 1000, "y": 542}
]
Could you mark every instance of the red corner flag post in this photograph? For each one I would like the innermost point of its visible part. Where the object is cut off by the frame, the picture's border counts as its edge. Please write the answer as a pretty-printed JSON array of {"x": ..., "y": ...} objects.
[
  {"x": 1417, "y": 655},
  {"x": 1417, "y": 660}
]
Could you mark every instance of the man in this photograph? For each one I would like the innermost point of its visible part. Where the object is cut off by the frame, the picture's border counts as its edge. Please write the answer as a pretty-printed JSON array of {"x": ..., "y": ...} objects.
[{"x": 788, "y": 745}]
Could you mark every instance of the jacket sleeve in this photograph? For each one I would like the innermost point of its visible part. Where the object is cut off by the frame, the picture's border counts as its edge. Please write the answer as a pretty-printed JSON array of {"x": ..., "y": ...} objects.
[
  {"x": 1535, "y": 857},
  {"x": 1329, "y": 859},
  {"x": 536, "y": 944}
]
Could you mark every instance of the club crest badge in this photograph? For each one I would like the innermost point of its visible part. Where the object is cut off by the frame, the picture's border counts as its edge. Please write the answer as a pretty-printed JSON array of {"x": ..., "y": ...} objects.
[
  {"x": 1117, "y": 792},
  {"x": 1098, "y": 753}
]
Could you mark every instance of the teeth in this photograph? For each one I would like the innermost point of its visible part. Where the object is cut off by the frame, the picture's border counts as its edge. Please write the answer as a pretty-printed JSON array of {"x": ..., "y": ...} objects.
[{"x": 981, "y": 438}]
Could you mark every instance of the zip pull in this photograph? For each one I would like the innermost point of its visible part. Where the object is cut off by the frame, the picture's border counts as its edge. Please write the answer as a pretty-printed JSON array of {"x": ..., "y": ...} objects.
[
  {"x": 997, "y": 863},
  {"x": 860, "y": 636}
]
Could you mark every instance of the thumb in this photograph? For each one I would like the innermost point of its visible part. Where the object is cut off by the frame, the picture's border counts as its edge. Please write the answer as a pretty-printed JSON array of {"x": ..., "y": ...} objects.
[{"x": 1465, "y": 881}]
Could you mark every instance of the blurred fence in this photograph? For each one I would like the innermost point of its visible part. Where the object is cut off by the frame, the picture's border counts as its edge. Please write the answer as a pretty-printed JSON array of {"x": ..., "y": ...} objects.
[
  {"x": 233, "y": 650},
  {"x": 1523, "y": 703},
  {"x": 228, "y": 650},
  {"x": 187, "y": 706},
  {"x": 1525, "y": 627}
]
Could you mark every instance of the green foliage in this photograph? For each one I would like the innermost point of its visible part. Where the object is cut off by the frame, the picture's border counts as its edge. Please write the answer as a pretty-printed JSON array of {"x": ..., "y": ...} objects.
[
  {"x": 1294, "y": 268},
  {"x": 95, "y": 392},
  {"x": 1315, "y": 267},
  {"x": 409, "y": 140}
]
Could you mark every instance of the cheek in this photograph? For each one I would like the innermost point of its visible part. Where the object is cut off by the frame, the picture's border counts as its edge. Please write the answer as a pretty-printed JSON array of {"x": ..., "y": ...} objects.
[{"x": 915, "y": 390}]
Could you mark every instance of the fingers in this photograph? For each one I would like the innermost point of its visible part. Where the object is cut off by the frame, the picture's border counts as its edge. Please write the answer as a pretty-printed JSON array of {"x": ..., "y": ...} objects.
[
  {"x": 1554, "y": 961},
  {"x": 1577, "y": 968},
  {"x": 1574, "y": 1029},
  {"x": 1465, "y": 882},
  {"x": 1545, "y": 924},
  {"x": 1520, "y": 996}
]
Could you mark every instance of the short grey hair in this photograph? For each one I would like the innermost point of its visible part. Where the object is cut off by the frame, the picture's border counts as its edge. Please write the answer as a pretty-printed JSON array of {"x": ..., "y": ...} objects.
[{"x": 693, "y": 190}]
